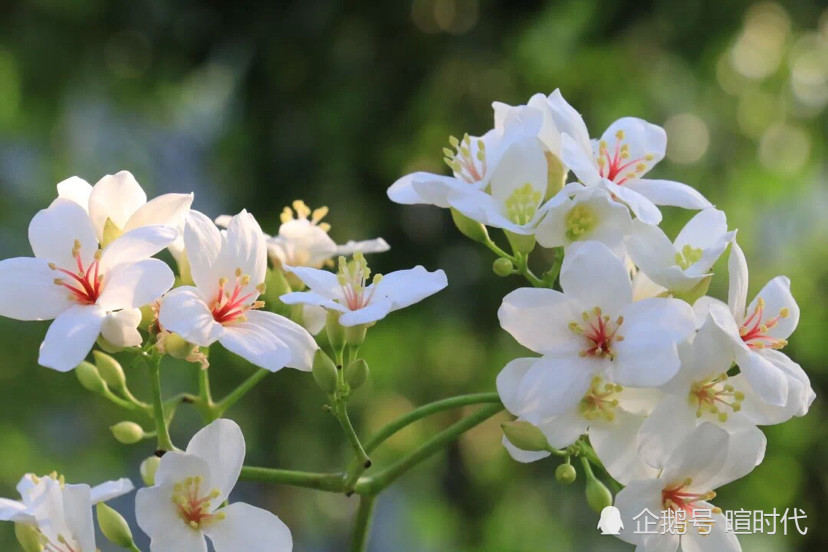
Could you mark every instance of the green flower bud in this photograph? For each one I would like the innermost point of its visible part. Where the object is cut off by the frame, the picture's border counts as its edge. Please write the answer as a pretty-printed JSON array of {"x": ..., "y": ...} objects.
[
  {"x": 520, "y": 243},
  {"x": 113, "y": 526},
  {"x": 110, "y": 370},
  {"x": 566, "y": 474},
  {"x": 503, "y": 267},
  {"x": 90, "y": 378},
  {"x": 598, "y": 496},
  {"x": 355, "y": 335},
  {"x": 147, "y": 317},
  {"x": 356, "y": 373},
  {"x": 127, "y": 433},
  {"x": 525, "y": 436},
  {"x": 324, "y": 372},
  {"x": 276, "y": 285},
  {"x": 469, "y": 227},
  {"x": 336, "y": 333},
  {"x": 28, "y": 537},
  {"x": 177, "y": 347},
  {"x": 148, "y": 468}
]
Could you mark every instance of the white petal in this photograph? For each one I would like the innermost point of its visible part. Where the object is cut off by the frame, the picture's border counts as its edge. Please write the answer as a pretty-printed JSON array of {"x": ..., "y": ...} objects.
[
  {"x": 71, "y": 337},
  {"x": 115, "y": 197},
  {"x": 245, "y": 249},
  {"x": 322, "y": 282},
  {"x": 377, "y": 310},
  {"x": 256, "y": 345},
  {"x": 221, "y": 445},
  {"x": 158, "y": 517},
  {"x": 642, "y": 139},
  {"x": 704, "y": 229},
  {"x": 567, "y": 119},
  {"x": 203, "y": 242},
  {"x": 176, "y": 466},
  {"x": 137, "y": 244},
  {"x": 508, "y": 382},
  {"x": 430, "y": 189},
  {"x": 166, "y": 210},
  {"x": 121, "y": 328},
  {"x": 777, "y": 296},
  {"x": 54, "y": 231},
  {"x": 12, "y": 510},
  {"x": 539, "y": 319},
  {"x": 615, "y": 442},
  {"x": 77, "y": 507},
  {"x": 75, "y": 189},
  {"x": 765, "y": 378},
  {"x": 314, "y": 318},
  {"x": 672, "y": 318},
  {"x": 485, "y": 209},
  {"x": 524, "y": 162},
  {"x": 302, "y": 346},
  {"x": 246, "y": 527},
  {"x": 523, "y": 456},
  {"x": 406, "y": 287},
  {"x": 131, "y": 286},
  {"x": 553, "y": 386},
  {"x": 718, "y": 539},
  {"x": 667, "y": 192},
  {"x": 312, "y": 298},
  {"x": 746, "y": 450},
  {"x": 699, "y": 457},
  {"x": 645, "y": 361},
  {"x": 595, "y": 277},
  {"x": 737, "y": 291},
  {"x": 184, "y": 312},
  {"x": 561, "y": 431},
  {"x": 28, "y": 290},
  {"x": 669, "y": 424},
  {"x": 633, "y": 500},
  {"x": 377, "y": 245},
  {"x": 639, "y": 205},
  {"x": 653, "y": 252},
  {"x": 579, "y": 159},
  {"x": 111, "y": 489}
]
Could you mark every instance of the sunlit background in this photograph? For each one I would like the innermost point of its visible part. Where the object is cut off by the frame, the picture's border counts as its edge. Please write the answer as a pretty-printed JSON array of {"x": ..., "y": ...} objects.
[{"x": 256, "y": 104}]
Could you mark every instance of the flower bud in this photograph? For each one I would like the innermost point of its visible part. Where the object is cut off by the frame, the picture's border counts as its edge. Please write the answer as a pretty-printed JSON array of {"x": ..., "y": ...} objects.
[
  {"x": 525, "y": 436},
  {"x": 355, "y": 335},
  {"x": 113, "y": 526},
  {"x": 148, "y": 468},
  {"x": 177, "y": 347},
  {"x": 90, "y": 378},
  {"x": 356, "y": 373},
  {"x": 324, "y": 372},
  {"x": 566, "y": 474},
  {"x": 503, "y": 267},
  {"x": 276, "y": 285},
  {"x": 469, "y": 227},
  {"x": 521, "y": 243},
  {"x": 597, "y": 494},
  {"x": 336, "y": 333},
  {"x": 148, "y": 316},
  {"x": 110, "y": 370},
  {"x": 127, "y": 433},
  {"x": 28, "y": 537}
]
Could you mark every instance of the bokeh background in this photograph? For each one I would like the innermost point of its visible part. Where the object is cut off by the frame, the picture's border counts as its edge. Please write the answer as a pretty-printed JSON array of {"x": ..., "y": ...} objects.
[{"x": 254, "y": 104}]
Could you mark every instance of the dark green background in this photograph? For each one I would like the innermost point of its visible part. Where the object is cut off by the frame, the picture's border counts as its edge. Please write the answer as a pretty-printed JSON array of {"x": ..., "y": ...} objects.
[{"x": 254, "y": 104}]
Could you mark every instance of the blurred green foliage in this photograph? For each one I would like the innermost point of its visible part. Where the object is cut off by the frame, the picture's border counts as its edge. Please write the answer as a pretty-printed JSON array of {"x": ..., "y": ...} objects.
[{"x": 253, "y": 104}]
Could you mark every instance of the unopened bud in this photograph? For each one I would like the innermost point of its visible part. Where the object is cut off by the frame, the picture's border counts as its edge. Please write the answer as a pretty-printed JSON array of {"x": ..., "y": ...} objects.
[
  {"x": 324, "y": 372},
  {"x": 336, "y": 333},
  {"x": 177, "y": 347},
  {"x": 127, "y": 433},
  {"x": 525, "y": 436},
  {"x": 503, "y": 267},
  {"x": 276, "y": 285},
  {"x": 597, "y": 494},
  {"x": 28, "y": 537},
  {"x": 469, "y": 227},
  {"x": 355, "y": 335},
  {"x": 110, "y": 370},
  {"x": 356, "y": 373},
  {"x": 148, "y": 469},
  {"x": 566, "y": 474},
  {"x": 113, "y": 526},
  {"x": 90, "y": 378}
]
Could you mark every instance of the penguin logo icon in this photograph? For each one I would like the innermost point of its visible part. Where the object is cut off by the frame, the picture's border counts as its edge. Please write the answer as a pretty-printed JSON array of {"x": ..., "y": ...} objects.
[{"x": 610, "y": 523}]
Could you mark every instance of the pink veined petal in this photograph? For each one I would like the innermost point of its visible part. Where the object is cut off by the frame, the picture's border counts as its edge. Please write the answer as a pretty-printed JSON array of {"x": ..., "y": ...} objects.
[
  {"x": 54, "y": 232},
  {"x": 115, "y": 197},
  {"x": 75, "y": 189},
  {"x": 246, "y": 527},
  {"x": 302, "y": 346},
  {"x": 131, "y": 286},
  {"x": 221, "y": 445},
  {"x": 164, "y": 210},
  {"x": 135, "y": 245},
  {"x": 256, "y": 345},
  {"x": 28, "y": 290},
  {"x": 71, "y": 337},
  {"x": 184, "y": 312}
]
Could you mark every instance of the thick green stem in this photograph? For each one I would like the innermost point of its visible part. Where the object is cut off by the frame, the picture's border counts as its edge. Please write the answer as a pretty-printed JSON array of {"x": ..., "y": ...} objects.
[
  {"x": 362, "y": 525},
  {"x": 204, "y": 392},
  {"x": 219, "y": 408},
  {"x": 374, "y": 484},
  {"x": 331, "y": 482},
  {"x": 164, "y": 442}
]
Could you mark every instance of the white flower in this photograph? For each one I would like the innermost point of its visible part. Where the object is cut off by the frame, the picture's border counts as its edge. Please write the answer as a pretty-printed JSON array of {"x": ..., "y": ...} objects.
[
  {"x": 349, "y": 292},
  {"x": 610, "y": 414},
  {"x": 579, "y": 214},
  {"x": 228, "y": 269},
  {"x": 592, "y": 329},
  {"x": 120, "y": 200},
  {"x": 759, "y": 332},
  {"x": 186, "y": 502},
  {"x": 73, "y": 281},
  {"x": 704, "y": 461},
  {"x": 680, "y": 265},
  {"x": 628, "y": 149},
  {"x": 61, "y": 513},
  {"x": 31, "y": 487},
  {"x": 702, "y": 392}
]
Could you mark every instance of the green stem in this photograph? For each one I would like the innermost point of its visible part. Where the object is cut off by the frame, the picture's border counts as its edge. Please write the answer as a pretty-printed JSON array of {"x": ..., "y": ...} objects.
[
  {"x": 376, "y": 483},
  {"x": 523, "y": 268},
  {"x": 164, "y": 442},
  {"x": 219, "y": 408},
  {"x": 362, "y": 525},
  {"x": 204, "y": 392},
  {"x": 331, "y": 482},
  {"x": 497, "y": 250},
  {"x": 341, "y": 413}
]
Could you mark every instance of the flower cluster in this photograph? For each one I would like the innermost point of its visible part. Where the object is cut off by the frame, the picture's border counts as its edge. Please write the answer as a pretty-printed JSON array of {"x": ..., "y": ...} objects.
[{"x": 666, "y": 385}]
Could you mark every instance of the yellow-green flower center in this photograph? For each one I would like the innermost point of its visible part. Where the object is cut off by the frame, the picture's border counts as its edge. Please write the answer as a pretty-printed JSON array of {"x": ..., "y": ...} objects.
[
  {"x": 580, "y": 220},
  {"x": 715, "y": 396},
  {"x": 688, "y": 256},
  {"x": 600, "y": 401},
  {"x": 522, "y": 205}
]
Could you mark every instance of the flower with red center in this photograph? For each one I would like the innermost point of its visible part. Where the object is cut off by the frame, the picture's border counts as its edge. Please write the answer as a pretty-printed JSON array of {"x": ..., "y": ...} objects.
[
  {"x": 592, "y": 328},
  {"x": 228, "y": 268},
  {"x": 188, "y": 500},
  {"x": 704, "y": 460},
  {"x": 83, "y": 287}
]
